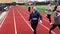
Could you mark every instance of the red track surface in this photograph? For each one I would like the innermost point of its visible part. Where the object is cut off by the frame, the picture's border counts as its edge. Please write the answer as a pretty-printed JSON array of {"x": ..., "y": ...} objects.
[{"x": 16, "y": 22}]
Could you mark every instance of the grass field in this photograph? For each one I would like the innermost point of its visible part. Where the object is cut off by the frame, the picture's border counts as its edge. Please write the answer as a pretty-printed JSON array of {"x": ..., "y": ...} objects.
[{"x": 40, "y": 8}]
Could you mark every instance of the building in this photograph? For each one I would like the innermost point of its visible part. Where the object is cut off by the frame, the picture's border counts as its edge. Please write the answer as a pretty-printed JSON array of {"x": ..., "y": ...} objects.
[{"x": 10, "y": 1}]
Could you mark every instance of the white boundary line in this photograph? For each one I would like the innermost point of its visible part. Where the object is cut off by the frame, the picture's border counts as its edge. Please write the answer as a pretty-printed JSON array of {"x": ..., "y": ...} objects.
[
  {"x": 42, "y": 25},
  {"x": 14, "y": 22},
  {"x": 47, "y": 28},
  {"x": 25, "y": 20},
  {"x": 4, "y": 19}
]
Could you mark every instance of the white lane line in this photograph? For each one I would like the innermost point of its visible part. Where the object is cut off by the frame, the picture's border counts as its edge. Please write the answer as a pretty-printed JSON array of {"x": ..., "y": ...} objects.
[
  {"x": 14, "y": 22},
  {"x": 46, "y": 28},
  {"x": 25, "y": 20},
  {"x": 4, "y": 19},
  {"x": 42, "y": 24}
]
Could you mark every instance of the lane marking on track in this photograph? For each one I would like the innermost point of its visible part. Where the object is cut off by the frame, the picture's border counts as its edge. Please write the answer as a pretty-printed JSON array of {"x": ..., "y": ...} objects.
[
  {"x": 39, "y": 23},
  {"x": 4, "y": 19},
  {"x": 25, "y": 20},
  {"x": 14, "y": 22},
  {"x": 46, "y": 28}
]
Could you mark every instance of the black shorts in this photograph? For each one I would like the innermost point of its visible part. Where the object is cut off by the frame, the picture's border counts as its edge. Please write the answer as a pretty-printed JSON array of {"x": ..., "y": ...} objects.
[
  {"x": 48, "y": 15},
  {"x": 34, "y": 24},
  {"x": 29, "y": 9},
  {"x": 56, "y": 25}
]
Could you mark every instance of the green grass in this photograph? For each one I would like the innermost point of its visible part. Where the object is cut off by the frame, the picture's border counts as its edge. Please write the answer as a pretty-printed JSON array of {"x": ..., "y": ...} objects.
[{"x": 40, "y": 8}]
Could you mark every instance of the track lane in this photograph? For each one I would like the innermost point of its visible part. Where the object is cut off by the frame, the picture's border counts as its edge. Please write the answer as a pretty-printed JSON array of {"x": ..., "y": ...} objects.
[
  {"x": 8, "y": 25},
  {"x": 22, "y": 27}
]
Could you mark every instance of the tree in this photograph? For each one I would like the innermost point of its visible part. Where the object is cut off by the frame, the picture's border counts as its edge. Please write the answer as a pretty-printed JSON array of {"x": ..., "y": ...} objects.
[{"x": 58, "y": 1}]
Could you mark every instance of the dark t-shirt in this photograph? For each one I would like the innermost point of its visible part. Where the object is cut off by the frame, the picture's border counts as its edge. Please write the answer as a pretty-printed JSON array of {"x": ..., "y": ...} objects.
[{"x": 35, "y": 16}]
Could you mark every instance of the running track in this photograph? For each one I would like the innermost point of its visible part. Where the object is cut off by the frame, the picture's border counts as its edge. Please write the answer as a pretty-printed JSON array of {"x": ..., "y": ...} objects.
[{"x": 16, "y": 22}]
